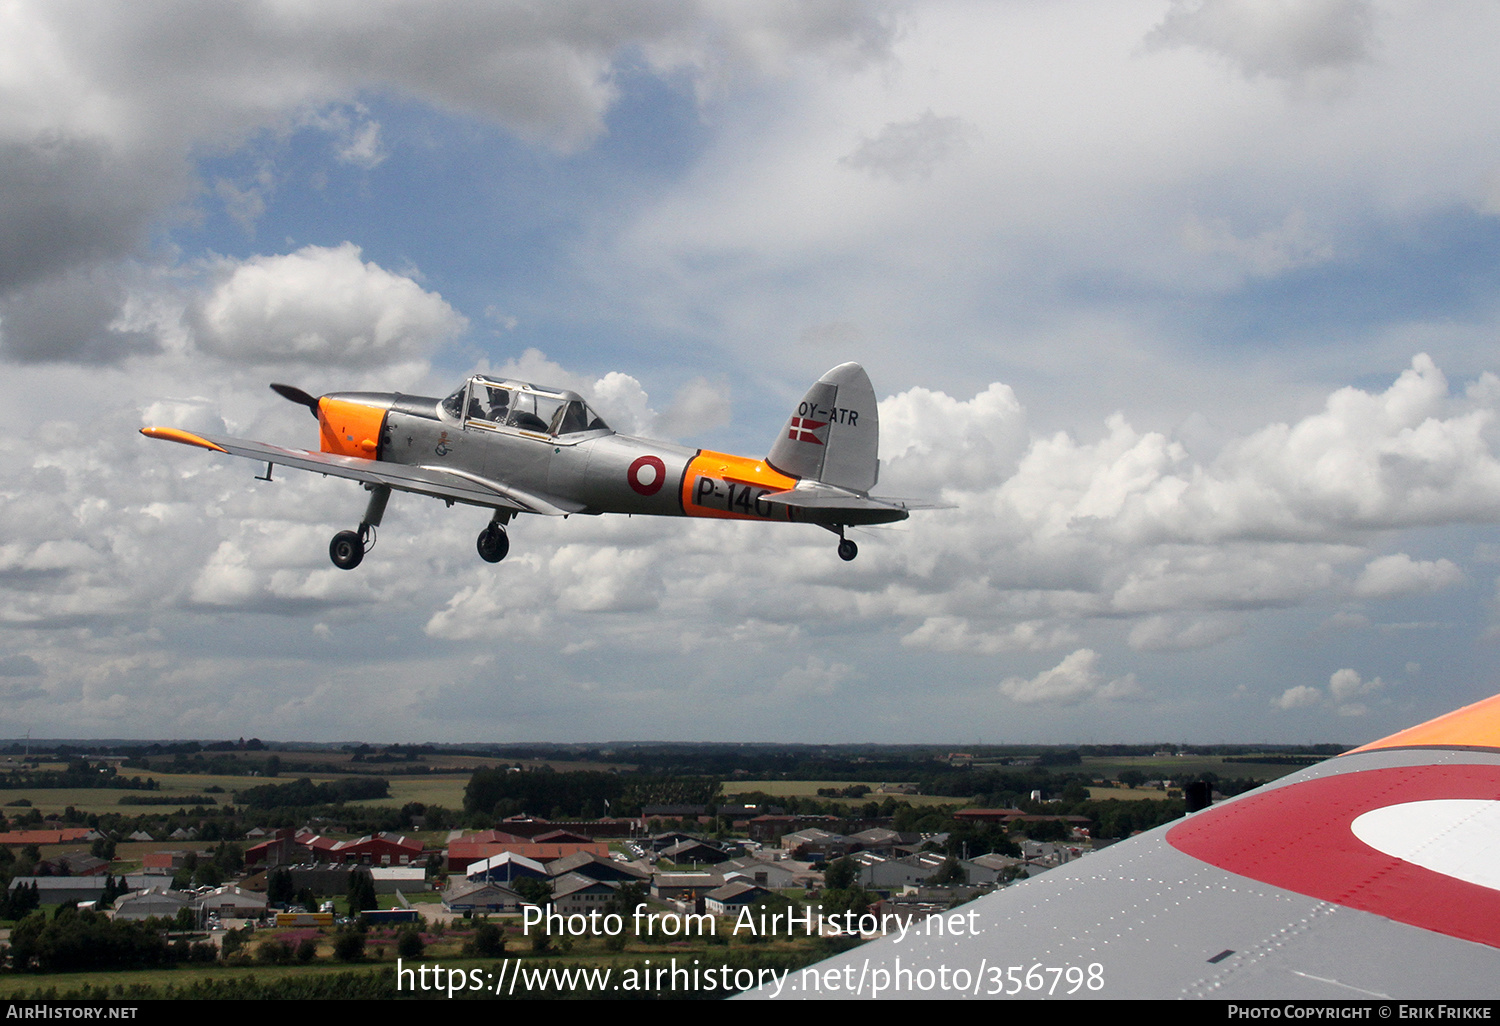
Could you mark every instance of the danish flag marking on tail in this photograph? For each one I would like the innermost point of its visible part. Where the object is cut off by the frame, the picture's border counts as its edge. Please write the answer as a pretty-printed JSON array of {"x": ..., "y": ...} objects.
[{"x": 802, "y": 429}]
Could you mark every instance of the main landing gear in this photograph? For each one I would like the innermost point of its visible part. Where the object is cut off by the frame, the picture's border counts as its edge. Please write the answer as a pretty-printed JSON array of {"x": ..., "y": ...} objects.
[
  {"x": 847, "y": 549},
  {"x": 493, "y": 543},
  {"x": 347, "y": 550}
]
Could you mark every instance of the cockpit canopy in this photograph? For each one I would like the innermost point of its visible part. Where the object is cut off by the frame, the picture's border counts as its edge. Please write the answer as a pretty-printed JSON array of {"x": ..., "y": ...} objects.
[{"x": 515, "y": 404}]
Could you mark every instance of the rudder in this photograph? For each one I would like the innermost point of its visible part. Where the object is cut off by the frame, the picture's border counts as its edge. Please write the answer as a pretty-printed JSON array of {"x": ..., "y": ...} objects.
[{"x": 834, "y": 434}]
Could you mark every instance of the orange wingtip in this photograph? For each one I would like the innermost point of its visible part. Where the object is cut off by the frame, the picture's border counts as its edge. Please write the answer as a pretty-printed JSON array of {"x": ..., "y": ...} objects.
[
  {"x": 179, "y": 435},
  {"x": 1473, "y": 726}
]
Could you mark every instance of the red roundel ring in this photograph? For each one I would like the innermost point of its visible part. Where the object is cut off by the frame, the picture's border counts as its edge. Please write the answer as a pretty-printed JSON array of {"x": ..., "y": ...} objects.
[
  {"x": 654, "y": 483},
  {"x": 1302, "y": 837}
]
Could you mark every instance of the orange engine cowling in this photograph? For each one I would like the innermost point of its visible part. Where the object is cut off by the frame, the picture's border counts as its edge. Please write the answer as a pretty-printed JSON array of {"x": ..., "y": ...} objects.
[{"x": 349, "y": 428}]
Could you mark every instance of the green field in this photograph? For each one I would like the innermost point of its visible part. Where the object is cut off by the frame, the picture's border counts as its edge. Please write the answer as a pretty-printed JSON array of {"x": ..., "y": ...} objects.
[
  {"x": 1187, "y": 767},
  {"x": 381, "y": 956},
  {"x": 429, "y": 790},
  {"x": 447, "y": 791},
  {"x": 52, "y": 800}
]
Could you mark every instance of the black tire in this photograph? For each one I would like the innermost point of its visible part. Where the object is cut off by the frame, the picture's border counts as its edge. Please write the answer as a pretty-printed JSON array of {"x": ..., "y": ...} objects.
[
  {"x": 847, "y": 550},
  {"x": 493, "y": 543},
  {"x": 346, "y": 550}
]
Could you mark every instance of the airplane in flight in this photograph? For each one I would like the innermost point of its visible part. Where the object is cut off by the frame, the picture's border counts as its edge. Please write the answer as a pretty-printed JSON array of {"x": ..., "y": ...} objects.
[
  {"x": 1369, "y": 877},
  {"x": 514, "y": 447}
]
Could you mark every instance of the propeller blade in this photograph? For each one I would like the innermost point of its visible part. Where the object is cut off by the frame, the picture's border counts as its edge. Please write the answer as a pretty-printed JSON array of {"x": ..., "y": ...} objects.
[{"x": 296, "y": 395}]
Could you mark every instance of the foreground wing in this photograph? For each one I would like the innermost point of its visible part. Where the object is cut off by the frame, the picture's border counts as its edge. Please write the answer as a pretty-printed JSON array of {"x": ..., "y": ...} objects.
[
  {"x": 437, "y": 482},
  {"x": 1369, "y": 876}
]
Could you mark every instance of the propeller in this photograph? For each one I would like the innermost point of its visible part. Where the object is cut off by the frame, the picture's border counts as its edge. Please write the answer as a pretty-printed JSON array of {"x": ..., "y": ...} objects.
[{"x": 296, "y": 395}]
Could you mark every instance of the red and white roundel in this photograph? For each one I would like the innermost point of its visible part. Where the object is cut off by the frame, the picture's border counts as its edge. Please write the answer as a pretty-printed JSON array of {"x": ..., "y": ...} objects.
[
  {"x": 646, "y": 474},
  {"x": 1413, "y": 844}
]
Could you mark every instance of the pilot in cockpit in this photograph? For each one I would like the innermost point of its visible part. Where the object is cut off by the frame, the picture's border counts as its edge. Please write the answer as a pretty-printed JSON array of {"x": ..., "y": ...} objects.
[{"x": 499, "y": 405}]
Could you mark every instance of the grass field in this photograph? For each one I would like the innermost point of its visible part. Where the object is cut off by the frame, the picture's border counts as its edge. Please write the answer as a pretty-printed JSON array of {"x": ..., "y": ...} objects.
[
  {"x": 52, "y": 800},
  {"x": 447, "y": 791},
  {"x": 445, "y": 947},
  {"x": 429, "y": 790},
  {"x": 1186, "y": 767}
]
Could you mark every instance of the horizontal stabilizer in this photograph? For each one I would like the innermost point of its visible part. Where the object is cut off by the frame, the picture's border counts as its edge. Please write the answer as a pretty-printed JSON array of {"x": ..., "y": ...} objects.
[
  {"x": 810, "y": 495},
  {"x": 804, "y": 498},
  {"x": 891, "y": 500}
]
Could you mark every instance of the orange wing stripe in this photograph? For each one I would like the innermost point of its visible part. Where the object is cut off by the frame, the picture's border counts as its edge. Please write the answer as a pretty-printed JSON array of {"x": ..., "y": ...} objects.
[
  {"x": 179, "y": 435},
  {"x": 1473, "y": 726}
]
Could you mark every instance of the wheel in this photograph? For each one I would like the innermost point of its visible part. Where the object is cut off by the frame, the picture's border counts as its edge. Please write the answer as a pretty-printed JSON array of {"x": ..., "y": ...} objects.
[
  {"x": 847, "y": 550},
  {"x": 493, "y": 543},
  {"x": 346, "y": 550}
]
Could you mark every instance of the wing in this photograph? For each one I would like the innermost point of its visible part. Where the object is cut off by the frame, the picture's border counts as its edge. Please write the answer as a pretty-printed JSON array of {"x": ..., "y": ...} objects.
[
  {"x": 1373, "y": 875},
  {"x": 438, "y": 482}
]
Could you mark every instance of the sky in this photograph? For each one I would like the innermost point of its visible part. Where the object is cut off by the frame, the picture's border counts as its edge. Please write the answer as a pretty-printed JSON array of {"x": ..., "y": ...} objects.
[{"x": 1188, "y": 309}]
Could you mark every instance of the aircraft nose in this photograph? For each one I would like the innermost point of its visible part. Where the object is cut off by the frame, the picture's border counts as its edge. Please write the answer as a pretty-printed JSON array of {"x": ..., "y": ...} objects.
[{"x": 349, "y": 423}]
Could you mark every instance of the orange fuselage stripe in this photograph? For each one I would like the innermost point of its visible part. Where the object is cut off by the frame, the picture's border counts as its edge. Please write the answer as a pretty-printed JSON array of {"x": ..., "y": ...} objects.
[
  {"x": 740, "y": 470},
  {"x": 1473, "y": 726},
  {"x": 349, "y": 429}
]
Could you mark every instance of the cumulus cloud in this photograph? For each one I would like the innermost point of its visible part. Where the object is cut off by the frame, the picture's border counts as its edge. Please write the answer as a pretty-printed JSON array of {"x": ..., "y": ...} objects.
[
  {"x": 931, "y": 441},
  {"x": 1278, "y": 38},
  {"x": 195, "y": 414},
  {"x": 1130, "y": 525},
  {"x": 1399, "y": 574},
  {"x": 1403, "y": 457},
  {"x": 1299, "y": 697},
  {"x": 1076, "y": 679},
  {"x": 1176, "y": 633},
  {"x": 1345, "y": 690},
  {"x": 103, "y": 111},
  {"x": 604, "y": 579},
  {"x": 1062, "y": 557},
  {"x": 699, "y": 405},
  {"x": 959, "y": 634},
  {"x": 321, "y": 305},
  {"x": 1053, "y": 257}
]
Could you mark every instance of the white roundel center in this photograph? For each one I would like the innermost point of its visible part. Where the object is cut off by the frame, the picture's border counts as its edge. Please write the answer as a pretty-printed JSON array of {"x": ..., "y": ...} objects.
[
  {"x": 1457, "y": 837},
  {"x": 645, "y": 475}
]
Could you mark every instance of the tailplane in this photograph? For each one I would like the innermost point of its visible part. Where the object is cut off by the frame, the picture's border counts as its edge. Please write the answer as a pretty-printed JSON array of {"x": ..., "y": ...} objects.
[{"x": 834, "y": 434}]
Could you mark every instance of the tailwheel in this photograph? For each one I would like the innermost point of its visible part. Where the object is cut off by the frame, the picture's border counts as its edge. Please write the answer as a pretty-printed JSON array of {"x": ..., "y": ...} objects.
[
  {"x": 847, "y": 549},
  {"x": 346, "y": 550},
  {"x": 493, "y": 543}
]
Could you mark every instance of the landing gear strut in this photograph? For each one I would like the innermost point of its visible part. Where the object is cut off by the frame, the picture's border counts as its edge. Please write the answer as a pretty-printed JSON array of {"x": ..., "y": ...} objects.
[
  {"x": 348, "y": 548},
  {"x": 493, "y": 543}
]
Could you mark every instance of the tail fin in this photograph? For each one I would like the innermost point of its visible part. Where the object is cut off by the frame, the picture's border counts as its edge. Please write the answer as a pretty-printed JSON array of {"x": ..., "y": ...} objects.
[{"x": 834, "y": 435}]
